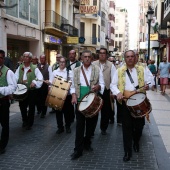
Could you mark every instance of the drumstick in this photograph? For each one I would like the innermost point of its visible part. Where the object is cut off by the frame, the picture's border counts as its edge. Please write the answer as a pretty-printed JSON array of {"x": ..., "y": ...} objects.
[
  {"x": 22, "y": 89},
  {"x": 144, "y": 86},
  {"x": 129, "y": 98}
]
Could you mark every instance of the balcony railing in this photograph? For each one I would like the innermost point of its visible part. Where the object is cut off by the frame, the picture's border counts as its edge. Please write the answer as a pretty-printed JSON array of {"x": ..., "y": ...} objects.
[
  {"x": 162, "y": 32},
  {"x": 90, "y": 40},
  {"x": 72, "y": 31},
  {"x": 52, "y": 19}
]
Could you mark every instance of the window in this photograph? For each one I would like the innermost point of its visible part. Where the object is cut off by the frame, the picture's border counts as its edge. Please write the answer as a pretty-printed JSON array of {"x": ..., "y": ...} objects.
[
  {"x": 95, "y": 2},
  {"x": 82, "y": 29},
  {"x": 120, "y": 35},
  {"x": 26, "y": 9},
  {"x": 116, "y": 35}
]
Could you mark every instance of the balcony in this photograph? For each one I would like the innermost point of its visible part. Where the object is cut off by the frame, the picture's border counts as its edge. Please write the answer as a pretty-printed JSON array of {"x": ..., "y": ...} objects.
[
  {"x": 162, "y": 32},
  {"x": 54, "y": 24},
  {"x": 90, "y": 41},
  {"x": 72, "y": 31},
  {"x": 90, "y": 16}
]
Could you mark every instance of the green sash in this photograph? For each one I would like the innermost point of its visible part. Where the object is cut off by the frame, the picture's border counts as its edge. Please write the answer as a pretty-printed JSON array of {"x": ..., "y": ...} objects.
[{"x": 83, "y": 91}]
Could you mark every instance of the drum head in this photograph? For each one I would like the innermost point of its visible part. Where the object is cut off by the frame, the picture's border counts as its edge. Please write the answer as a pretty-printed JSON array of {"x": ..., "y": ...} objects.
[
  {"x": 139, "y": 98},
  {"x": 86, "y": 101},
  {"x": 21, "y": 89}
]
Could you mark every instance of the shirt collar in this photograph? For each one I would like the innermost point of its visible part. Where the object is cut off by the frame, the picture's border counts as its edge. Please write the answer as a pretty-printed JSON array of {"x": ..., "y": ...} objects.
[{"x": 89, "y": 68}]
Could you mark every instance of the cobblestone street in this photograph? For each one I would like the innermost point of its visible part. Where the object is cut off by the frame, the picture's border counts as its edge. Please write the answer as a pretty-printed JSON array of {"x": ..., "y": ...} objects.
[{"x": 42, "y": 148}]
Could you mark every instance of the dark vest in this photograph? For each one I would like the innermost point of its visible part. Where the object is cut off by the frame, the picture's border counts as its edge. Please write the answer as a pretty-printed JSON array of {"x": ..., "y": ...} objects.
[
  {"x": 3, "y": 78},
  {"x": 44, "y": 71},
  {"x": 78, "y": 63}
]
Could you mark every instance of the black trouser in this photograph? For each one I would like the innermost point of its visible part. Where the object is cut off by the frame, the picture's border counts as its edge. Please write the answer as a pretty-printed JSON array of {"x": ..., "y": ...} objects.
[
  {"x": 119, "y": 112},
  {"x": 29, "y": 101},
  {"x": 42, "y": 95},
  {"x": 132, "y": 128},
  {"x": 106, "y": 110},
  {"x": 67, "y": 109},
  {"x": 82, "y": 123},
  {"x": 4, "y": 120}
]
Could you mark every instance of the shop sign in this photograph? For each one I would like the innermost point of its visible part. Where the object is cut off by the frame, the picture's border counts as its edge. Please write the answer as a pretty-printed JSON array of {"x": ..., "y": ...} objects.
[
  {"x": 85, "y": 2},
  {"x": 52, "y": 39},
  {"x": 81, "y": 40},
  {"x": 83, "y": 9},
  {"x": 72, "y": 40},
  {"x": 153, "y": 37}
]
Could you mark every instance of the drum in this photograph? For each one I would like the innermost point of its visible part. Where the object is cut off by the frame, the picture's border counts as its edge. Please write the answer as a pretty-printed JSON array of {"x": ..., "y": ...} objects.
[
  {"x": 58, "y": 93},
  {"x": 20, "y": 93},
  {"x": 90, "y": 105},
  {"x": 139, "y": 105}
]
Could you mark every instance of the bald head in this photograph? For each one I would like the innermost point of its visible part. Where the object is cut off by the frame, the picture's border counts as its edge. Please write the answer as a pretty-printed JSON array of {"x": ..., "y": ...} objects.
[{"x": 34, "y": 60}]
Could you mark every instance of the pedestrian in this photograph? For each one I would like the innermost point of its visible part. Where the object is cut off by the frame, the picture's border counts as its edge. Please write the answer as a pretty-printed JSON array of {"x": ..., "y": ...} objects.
[
  {"x": 128, "y": 80},
  {"x": 163, "y": 73},
  {"x": 85, "y": 78},
  {"x": 29, "y": 75},
  {"x": 35, "y": 60},
  {"x": 8, "y": 85},
  {"x": 8, "y": 63},
  {"x": 108, "y": 70}
]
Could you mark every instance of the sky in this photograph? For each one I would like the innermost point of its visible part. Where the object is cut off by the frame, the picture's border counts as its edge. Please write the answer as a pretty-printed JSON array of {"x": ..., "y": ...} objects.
[{"x": 132, "y": 7}]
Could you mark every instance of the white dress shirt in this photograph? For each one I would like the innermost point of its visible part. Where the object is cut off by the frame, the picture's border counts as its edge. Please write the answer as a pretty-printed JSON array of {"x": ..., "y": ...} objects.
[
  {"x": 62, "y": 73},
  {"x": 12, "y": 84},
  {"x": 88, "y": 75},
  {"x": 38, "y": 80},
  {"x": 128, "y": 85}
]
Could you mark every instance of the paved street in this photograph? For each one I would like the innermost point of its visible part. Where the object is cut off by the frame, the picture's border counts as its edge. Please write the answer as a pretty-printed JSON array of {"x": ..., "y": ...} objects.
[{"x": 41, "y": 148}]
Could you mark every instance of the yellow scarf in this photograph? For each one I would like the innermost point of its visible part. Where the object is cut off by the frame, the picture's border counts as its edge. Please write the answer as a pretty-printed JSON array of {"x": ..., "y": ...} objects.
[{"x": 121, "y": 77}]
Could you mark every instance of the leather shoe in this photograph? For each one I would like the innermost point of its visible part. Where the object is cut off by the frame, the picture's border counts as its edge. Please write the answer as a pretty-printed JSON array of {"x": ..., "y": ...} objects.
[
  {"x": 60, "y": 131},
  {"x": 88, "y": 148},
  {"x": 75, "y": 155},
  {"x": 68, "y": 130},
  {"x": 103, "y": 132},
  {"x": 126, "y": 157},
  {"x": 2, "y": 150},
  {"x": 136, "y": 147}
]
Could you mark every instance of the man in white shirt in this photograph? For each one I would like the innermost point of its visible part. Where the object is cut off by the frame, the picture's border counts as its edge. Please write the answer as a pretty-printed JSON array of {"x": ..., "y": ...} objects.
[
  {"x": 82, "y": 85},
  {"x": 108, "y": 70},
  {"x": 29, "y": 75},
  {"x": 122, "y": 87},
  {"x": 46, "y": 71},
  {"x": 8, "y": 85}
]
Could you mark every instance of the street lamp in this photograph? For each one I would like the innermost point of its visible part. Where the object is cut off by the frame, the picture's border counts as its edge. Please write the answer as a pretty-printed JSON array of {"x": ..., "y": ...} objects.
[{"x": 149, "y": 17}]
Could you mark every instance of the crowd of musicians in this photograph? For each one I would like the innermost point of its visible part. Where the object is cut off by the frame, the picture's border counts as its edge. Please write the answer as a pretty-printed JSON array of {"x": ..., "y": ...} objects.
[{"x": 104, "y": 77}]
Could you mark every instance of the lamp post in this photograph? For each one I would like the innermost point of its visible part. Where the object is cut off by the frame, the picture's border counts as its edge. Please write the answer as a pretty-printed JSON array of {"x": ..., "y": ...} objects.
[{"x": 149, "y": 17}]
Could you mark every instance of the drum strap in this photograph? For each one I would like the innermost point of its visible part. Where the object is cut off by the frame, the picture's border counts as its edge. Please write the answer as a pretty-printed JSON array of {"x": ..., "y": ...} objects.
[
  {"x": 131, "y": 80},
  {"x": 84, "y": 76}
]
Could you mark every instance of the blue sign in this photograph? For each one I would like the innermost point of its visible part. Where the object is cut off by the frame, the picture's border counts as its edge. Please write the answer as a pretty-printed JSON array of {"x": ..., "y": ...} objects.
[
  {"x": 81, "y": 40},
  {"x": 55, "y": 40}
]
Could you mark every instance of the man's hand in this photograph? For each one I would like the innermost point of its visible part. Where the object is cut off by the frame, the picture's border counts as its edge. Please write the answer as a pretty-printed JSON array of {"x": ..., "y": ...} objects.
[
  {"x": 32, "y": 85},
  {"x": 146, "y": 87},
  {"x": 120, "y": 96},
  {"x": 74, "y": 99},
  {"x": 96, "y": 88}
]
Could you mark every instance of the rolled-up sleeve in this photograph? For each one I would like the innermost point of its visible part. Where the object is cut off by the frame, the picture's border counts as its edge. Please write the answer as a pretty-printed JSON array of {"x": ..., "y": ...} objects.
[
  {"x": 12, "y": 84},
  {"x": 39, "y": 78},
  {"x": 114, "y": 84},
  {"x": 148, "y": 77}
]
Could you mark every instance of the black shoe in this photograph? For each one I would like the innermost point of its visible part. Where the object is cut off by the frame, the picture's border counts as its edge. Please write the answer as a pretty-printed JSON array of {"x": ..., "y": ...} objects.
[
  {"x": 2, "y": 150},
  {"x": 103, "y": 132},
  {"x": 52, "y": 111},
  {"x": 68, "y": 130},
  {"x": 60, "y": 131},
  {"x": 127, "y": 157},
  {"x": 38, "y": 112},
  {"x": 111, "y": 122},
  {"x": 24, "y": 124},
  {"x": 42, "y": 116},
  {"x": 88, "y": 148},
  {"x": 136, "y": 147},
  {"x": 75, "y": 155},
  {"x": 28, "y": 128}
]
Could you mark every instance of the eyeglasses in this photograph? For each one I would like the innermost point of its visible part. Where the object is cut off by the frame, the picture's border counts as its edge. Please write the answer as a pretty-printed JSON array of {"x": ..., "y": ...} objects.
[
  {"x": 102, "y": 53},
  {"x": 132, "y": 56},
  {"x": 86, "y": 56},
  {"x": 62, "y": 62}
]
